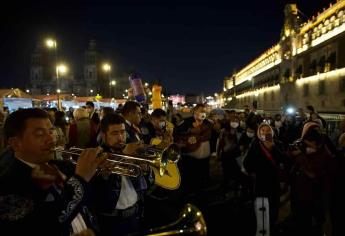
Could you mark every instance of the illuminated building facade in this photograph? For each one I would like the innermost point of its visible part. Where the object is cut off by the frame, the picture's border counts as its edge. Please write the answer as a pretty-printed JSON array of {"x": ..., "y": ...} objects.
[{"x": 306, "y": 67}]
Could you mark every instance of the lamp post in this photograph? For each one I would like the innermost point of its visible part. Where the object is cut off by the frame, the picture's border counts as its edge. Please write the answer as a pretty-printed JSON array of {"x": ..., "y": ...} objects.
[
  {"x": 61, "y": 69},
  {"x": 112, "y": 84},
  {"x": 106, "y": 67},
  {"x": 58, "y": 91},
  {"x": 51, "y": 45}
]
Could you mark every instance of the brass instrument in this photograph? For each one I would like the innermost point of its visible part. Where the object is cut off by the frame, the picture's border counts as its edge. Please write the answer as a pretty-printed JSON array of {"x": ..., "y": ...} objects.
[
  {"x": 190, "y": 222},
  {"x": 121, "y": 164}
]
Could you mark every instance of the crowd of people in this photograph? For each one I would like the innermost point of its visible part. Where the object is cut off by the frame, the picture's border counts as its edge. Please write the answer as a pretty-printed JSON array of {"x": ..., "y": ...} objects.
[{"x": 262, "y": 156}]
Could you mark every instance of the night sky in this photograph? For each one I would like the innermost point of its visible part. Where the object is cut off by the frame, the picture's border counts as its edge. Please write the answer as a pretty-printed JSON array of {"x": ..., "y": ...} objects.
[{"x": 189, "y": 45}]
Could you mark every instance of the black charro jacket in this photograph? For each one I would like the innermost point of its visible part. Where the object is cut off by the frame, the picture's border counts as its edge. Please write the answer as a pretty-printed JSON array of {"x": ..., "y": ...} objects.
[{"x": 27, "y": 209}]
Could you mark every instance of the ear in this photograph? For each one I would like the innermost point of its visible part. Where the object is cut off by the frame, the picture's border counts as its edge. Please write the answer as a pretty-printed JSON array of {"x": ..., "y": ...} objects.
[{"x": 14, "y": 142}]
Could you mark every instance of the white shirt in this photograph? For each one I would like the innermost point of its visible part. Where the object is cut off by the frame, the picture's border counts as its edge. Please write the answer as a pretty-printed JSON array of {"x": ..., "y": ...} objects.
[{"x": 128, "y": 196}]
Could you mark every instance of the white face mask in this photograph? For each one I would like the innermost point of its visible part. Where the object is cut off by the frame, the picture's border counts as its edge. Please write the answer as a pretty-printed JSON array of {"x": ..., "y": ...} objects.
[
  {"x": 278, "y": 124},
  {"x": 201, "y": 116},
  {"x": 242, "y": 124},
  {"x": 265, "y": 138},
  {"x": 162, "y": 124},
  {"x": 250, "y": 134},
  {"x": 234, "y": 125}
]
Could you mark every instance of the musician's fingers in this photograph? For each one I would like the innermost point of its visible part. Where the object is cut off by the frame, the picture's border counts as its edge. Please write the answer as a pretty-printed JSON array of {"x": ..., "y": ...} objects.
[{"x": 101, "y": 158}]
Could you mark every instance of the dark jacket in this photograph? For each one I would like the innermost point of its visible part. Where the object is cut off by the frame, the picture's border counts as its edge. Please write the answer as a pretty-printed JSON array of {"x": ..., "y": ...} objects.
[
  {"x": 132, "y": 134},
  {"x": 24, "y": 207},
  {"x": 105, "y": 190}
]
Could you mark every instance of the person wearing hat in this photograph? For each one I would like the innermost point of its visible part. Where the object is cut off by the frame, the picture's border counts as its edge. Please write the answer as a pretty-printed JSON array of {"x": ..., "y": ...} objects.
[
  {"x": 310, "y": 180},
  {"x": 263, "y": 164}
]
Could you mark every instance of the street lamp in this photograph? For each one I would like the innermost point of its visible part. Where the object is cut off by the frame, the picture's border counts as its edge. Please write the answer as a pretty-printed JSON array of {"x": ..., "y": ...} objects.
[
  {"x": 112, "y": 83},
  {"x": 58, "y": 91},
  {"x": 28, "y": 91},
  {"x": 91, "y": 91},
  {"x": 106, "y": 67},
  {"x": 61, "y": 69},
  {"x": 51, "y": 43}
]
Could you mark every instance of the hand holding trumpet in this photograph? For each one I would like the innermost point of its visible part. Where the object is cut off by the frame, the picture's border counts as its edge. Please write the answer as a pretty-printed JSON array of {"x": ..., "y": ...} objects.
[{"x": 89, "y": 161}]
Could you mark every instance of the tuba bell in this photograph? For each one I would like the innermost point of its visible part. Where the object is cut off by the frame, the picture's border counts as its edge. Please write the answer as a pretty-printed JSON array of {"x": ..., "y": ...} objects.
[{"x": 190, "y": 222}]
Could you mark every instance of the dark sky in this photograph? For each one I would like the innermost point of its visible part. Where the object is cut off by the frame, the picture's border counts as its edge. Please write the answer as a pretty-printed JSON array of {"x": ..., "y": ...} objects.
[{"x": 189, "y": 45}]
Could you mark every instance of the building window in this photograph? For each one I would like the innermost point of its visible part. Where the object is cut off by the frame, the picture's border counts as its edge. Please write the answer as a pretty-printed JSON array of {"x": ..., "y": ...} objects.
[
  {"x": 90, "y": 74},
  {"x": 265, "y": 97},
  {"x": 342, "y": 85},
  {"x": 312, "y": 67},
  {"x": 343, "y": 102},
  {"x": 331, "y": 60},
  {"x": 322, "y": 87},
  {"x": 321, "y": 64},
  {"x": 272, "y": 96},
  {"x": 305, "y": 90},
  {"x": 299, "y": 71}
]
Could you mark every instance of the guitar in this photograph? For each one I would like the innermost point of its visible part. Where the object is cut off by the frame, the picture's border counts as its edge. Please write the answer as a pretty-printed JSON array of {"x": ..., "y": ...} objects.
[
  {"x": 192, "y": 139},
  {"x": 171, "y": 179}
]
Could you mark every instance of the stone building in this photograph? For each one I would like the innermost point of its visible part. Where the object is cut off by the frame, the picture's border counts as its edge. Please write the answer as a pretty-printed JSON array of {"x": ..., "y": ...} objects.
[{"x": 306, "y": 67}]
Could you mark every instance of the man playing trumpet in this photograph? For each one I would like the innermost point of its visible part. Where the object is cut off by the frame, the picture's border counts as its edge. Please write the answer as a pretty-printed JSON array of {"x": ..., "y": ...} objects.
[
  {"x": 118, "y": 199},
  {"x": 40, "y": 196}
]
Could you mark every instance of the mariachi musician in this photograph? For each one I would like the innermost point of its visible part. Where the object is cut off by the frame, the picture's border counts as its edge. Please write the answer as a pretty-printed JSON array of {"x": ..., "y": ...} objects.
[
  {"x": 117, "y": 199},
  {"x": 158, "y": 129},
  {"x": 38, "y": 195},
  {"x": 194, "y": 135}
]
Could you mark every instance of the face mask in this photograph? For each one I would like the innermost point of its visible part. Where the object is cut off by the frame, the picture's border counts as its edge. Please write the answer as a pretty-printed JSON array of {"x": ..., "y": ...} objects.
[
  {"x": 242, "y": 124},
  {"x": 278, "y": 124},
  {"x": 201, "y": 116},
  {"x": 250, "y": 134},
  {"x": 234, "y": 125},
  {"x": 310, "y": 150},
  {"x": 266, "y": 138},
  {"x": 162, "y": 124}
]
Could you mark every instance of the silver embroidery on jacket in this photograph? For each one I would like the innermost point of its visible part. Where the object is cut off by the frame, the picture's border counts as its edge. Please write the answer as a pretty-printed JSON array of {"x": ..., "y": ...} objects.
[
  {"x": 77, "y": 197},
  {"x": 14, "y": 207}
]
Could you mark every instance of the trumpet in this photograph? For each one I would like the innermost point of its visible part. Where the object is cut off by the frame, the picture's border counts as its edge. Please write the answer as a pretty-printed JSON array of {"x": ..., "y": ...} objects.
[{"x": 129, "y": 165}]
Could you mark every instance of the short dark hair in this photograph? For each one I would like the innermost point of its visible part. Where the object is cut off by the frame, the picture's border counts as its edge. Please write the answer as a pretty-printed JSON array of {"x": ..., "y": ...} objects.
[
  {"x": 107, "y": 110},
  {"x": 158, "y": 113},
  {"x": 129, "y": 107},
  {"x": 197, "y": 106},
  {"x": 90, "y": 103},
  {"x": 311, "y": 108},
  {"x": 111, "y": 119},
  {"x": 15, "y": 124}
]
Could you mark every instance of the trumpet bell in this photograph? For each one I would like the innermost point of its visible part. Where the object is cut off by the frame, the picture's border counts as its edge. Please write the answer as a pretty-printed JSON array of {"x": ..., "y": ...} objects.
[{"x": 190, "y": 222}]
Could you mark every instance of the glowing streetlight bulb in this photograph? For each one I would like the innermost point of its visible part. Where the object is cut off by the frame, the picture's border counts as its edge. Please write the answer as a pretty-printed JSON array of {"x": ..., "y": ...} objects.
[
  {"x": 91, "y": 90},
  {"x": 113, "y": 82},
  {"x": 62, "y": 68},
  {"x": 51, "y": 43},
  {"x": 106, "y": 67},
  {"x": 58, "y": 91}
]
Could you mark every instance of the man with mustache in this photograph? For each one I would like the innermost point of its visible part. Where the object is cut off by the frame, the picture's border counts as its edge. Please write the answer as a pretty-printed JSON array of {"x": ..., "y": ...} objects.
[
  {"x": 118, "y": 199},
  {"x": 40, "y": 196}
]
